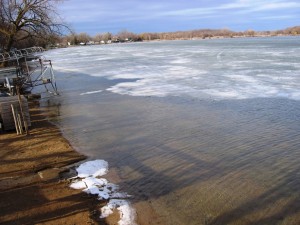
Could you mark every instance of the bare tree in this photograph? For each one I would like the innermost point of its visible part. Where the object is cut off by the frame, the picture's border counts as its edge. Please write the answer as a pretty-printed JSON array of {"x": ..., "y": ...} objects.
[
  {"x": 83, "y": 37},
  {"x": 23, "y": 19},
  {"x": 126, "y": 35},
  {"x": 106, "y": 36},
  {"x": 98, "y": 38}
]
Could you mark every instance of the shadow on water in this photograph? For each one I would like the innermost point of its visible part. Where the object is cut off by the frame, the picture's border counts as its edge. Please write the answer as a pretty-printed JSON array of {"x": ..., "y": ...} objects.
[
  {"x": 288, "y": 185},
  {"x": 224, "y": 162}
]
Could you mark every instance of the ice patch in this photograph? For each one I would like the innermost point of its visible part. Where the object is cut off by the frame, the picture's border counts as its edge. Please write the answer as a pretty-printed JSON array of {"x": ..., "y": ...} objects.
[
  {"x": 92, "y": 168},
  {"x": 91, "y": 92},
  {"x": 88, "y": 180},
  {"x": 141, "y": 88},
  {"x": 127, "y": 214},
  {"x": 180, "y": 61}
]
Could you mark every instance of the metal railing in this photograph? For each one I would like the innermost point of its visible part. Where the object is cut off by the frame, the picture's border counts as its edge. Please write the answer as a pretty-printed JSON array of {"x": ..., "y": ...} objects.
[{"x": 18, "y": 54}]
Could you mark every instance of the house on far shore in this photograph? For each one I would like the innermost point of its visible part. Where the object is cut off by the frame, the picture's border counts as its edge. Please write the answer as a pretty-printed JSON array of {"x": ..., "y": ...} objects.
[
  {"x": 90, "y": 43},
  {"x": 115, "y": 40}
]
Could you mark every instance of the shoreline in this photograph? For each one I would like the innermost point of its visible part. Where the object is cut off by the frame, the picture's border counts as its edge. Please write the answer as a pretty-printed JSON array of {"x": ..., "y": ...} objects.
[
  {"x": 33, "y": 177},
  {"x": 176, "y": 39}
]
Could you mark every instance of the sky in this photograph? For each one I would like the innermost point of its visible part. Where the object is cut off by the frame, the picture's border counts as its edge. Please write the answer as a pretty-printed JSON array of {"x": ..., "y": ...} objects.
[{"x": 138, "y": 16}]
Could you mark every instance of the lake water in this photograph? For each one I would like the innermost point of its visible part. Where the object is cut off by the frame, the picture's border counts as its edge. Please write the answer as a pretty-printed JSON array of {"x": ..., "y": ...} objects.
[{"x": 199, "y": 132}]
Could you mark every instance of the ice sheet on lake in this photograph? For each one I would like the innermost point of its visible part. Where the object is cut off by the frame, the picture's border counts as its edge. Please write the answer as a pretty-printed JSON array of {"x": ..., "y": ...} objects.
[
  {"x": 218, "y": 69},
  {"x": 88, "y": 180}
]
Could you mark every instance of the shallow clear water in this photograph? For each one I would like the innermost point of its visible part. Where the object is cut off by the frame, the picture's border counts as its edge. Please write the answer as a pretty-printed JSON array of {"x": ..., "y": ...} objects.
[{"x": 199, "y": 132}]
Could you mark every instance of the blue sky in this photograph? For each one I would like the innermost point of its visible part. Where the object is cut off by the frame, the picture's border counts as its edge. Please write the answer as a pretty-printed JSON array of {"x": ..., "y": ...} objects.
[{"x": 98, "y": 16}]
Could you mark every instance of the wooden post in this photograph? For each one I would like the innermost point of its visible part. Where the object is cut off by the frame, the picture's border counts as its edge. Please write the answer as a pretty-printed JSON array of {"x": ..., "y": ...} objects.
[
  {"x": 20, "y": 123},
  {"x": 15, "y": 119},
  {"x": 22, "y": 112}
]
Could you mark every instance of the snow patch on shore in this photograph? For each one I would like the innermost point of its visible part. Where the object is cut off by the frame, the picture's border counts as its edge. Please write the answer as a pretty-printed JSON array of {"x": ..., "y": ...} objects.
[{"x": 88, "y": 179}]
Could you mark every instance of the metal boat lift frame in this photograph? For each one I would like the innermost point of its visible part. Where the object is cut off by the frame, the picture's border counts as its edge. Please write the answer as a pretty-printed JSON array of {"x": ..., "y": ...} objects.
[{"x": 28, "y": 77}]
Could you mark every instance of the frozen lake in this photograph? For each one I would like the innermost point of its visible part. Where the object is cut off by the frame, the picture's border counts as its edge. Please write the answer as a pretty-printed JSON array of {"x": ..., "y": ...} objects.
[{"x": 218, "y": 69}]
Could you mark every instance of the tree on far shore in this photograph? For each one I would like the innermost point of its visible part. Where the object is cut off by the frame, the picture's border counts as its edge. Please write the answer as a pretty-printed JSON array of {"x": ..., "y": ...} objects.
[{"x": 22, "y": 21}]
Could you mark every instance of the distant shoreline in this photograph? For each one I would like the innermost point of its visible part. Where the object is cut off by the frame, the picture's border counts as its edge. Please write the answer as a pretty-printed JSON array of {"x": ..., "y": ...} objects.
[
  {"x": 177, "y": 39},
  {"x": 127, "y": 36}
]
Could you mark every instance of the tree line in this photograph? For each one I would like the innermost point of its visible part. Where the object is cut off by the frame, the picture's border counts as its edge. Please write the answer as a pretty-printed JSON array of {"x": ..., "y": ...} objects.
[{"x": 125, "y": 36}]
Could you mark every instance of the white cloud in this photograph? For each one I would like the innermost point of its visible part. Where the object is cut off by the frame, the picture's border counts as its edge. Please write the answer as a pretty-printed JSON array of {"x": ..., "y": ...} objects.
[
  {"x": 278, "y": 17},
  {"x": 240, "y": 6},
  {"x": 189, "y": 12},
  {"x": 278, "y": 5},
  {"x": 260, "y": 5}
]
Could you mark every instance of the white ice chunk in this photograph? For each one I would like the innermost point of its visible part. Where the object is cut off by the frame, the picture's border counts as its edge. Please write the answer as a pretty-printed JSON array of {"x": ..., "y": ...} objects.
[
  {"x": 86, "y": 180},
  {"x": 92, "y": 168},
  {"x": 102, "y": 194},
  {"x": 127, "y": 213},
  {"x": 106, "y": 211},
  {"x": 78, "y": 185},
  {"x": 92, "y": 181}
]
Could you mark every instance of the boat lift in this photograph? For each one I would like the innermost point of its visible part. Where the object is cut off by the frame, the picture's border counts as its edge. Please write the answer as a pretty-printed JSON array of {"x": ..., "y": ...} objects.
[{"x": 29, "y": 69}]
